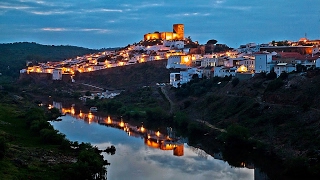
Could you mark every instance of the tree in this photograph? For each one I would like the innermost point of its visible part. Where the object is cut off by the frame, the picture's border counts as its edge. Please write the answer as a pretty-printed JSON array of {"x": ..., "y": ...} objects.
[
  {"x": 88, "y": 93},
  {"x": 212, "y": 41},
  {"x": 272, "y": 75}
]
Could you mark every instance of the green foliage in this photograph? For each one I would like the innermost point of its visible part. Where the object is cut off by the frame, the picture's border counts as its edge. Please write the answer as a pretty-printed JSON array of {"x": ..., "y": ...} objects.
[
  {"x": 88, "y": 93},
  {"x": 37, "y": 125},
  {"x": 3, "y": 147},
  {"x": 236, "y": 134},
  {"x": 181, "y": 120},
  {"x": 156, "y": 114},
  {"x": 199, "y": 87},
  {"x": 272, "y": 75},
  {"x": 274, "y": 85},
  {"x": 53, "y": 113},
  {"x": 34, "y": 114},
  {"x": 76, "y": 95},
  {"x": 51, "y": 136},
  {"x": 90, "y": 164}
]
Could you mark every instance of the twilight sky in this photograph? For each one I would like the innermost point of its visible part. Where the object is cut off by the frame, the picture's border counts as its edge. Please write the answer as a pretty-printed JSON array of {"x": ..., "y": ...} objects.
[{"x": 105, "y": 23}]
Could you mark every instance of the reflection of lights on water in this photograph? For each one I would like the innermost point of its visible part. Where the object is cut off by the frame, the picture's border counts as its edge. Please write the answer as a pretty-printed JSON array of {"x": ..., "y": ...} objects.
[
  {"x": 121, "y": 124},
  {"x": 152, "y": 138},
  {"x": 109, "y": 120},
  {"x": 90, "y": 116},
  {"x": 142, "y": 129},
  {"x": 72, "y": 111}
]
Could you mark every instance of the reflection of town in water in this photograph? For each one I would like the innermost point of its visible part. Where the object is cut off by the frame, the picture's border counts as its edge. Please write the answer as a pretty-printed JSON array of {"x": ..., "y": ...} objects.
[{"x": 153, "y": 139}]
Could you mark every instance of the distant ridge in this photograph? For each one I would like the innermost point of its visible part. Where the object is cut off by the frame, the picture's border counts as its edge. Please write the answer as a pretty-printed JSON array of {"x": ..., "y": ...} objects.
[{"x": 13, "y": 56}]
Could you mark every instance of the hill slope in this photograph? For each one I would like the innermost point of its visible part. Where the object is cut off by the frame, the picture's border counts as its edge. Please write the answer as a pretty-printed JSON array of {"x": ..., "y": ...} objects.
[{"x": 13, "y": 56}]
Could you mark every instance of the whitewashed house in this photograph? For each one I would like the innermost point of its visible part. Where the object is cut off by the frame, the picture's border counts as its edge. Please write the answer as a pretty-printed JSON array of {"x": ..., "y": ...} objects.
[
  {"x": 183, "y": 77},
  {"x": 318, "y": 63},
  {"x": 178, "y": 61},
  {"x": 57, "y": 74},
  {"x": 263, "y": 62},
  {"x": 173, "y": 44},
  {"x": 284, "y": 67},
  {"x": 221, "y": 71},
  {"x": 209, "y": 62}
]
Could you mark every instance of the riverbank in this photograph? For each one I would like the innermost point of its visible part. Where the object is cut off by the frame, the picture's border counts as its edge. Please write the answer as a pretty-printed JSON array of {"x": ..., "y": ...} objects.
[{"x": 31, "y": 149}]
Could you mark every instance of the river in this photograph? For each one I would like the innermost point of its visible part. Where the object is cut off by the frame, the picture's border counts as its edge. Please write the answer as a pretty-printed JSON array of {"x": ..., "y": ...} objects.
[{"x": 144, "y": 157}]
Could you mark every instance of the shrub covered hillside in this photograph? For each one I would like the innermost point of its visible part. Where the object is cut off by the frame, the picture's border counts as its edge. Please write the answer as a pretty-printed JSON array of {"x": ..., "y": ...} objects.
[
  {"x": 14, "y": 56},
  {"x": 281, "y": 113}
]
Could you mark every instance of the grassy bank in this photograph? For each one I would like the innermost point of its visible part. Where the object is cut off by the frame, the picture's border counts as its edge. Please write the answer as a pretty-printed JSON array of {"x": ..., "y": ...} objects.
[{"x": 31, "y": 149}]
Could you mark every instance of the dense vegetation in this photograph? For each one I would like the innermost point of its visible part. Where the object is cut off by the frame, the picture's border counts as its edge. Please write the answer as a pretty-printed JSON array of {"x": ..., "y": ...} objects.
[
  {"x": 14, "y": 56},
  {"x": 30, "y": 147},
  {"x": 280, "y": 114}
]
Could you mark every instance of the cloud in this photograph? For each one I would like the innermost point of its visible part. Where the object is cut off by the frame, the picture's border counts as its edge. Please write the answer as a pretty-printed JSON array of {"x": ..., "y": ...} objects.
[
  {"x": 97, "y": 30},
  {"x": 102, "y": 10},
  {"x": 50, "y": 12},
  {"x": 54, "y": 29},
  {"x": 240, "y": 8},
  {"x": 189, "y": 14},
  {"x": 14, "y": 7}
]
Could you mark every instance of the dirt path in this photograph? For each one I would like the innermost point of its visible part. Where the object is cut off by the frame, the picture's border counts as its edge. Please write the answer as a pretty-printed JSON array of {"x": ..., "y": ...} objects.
[
  {"x": 210, "y": 125},
  {"x": 164, "y": 91}
]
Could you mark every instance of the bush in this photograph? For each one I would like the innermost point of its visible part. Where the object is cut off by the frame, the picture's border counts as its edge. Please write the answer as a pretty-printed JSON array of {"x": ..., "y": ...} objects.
[
  {"x": 283, "y": 75},
  {"x": 272, "y": 75},
  {"x": 274, "y": 85},
  {"x": 3, "y": 148},
  {"x": 186, "y": 104},
  {"x": 181, "y": 120},
  {"x": 236, "y": 133},
  {"x": 52, "y": 136},
  {"x": 34, "y": 114},
  {"x": 235, "y": 82}
]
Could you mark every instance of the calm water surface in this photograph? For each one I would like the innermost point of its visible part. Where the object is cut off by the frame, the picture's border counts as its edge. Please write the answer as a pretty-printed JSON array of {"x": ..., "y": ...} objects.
[{"x": 135, "y": 160}]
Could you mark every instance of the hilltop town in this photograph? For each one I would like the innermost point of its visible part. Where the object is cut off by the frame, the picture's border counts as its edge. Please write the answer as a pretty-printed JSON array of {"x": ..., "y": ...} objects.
[
  {"x": 204, "y": 91},
  {"x": 188, "y": 58}
]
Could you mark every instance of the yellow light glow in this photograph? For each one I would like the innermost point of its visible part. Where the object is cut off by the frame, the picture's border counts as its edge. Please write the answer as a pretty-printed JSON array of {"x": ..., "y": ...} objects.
[
  {"x": 142, "y": 129},
  {"x": 186, "y": 59},
  {"x": 80, "y": 114},
  {"x": 121, "y": 63},
  {"x": 90, "y": 116},
  {"x": 158, "y": 133},
  {"x": 109, "y": 120},
  {"x": 72, "y": 111},
  {"x": 121, "y": 124}
]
